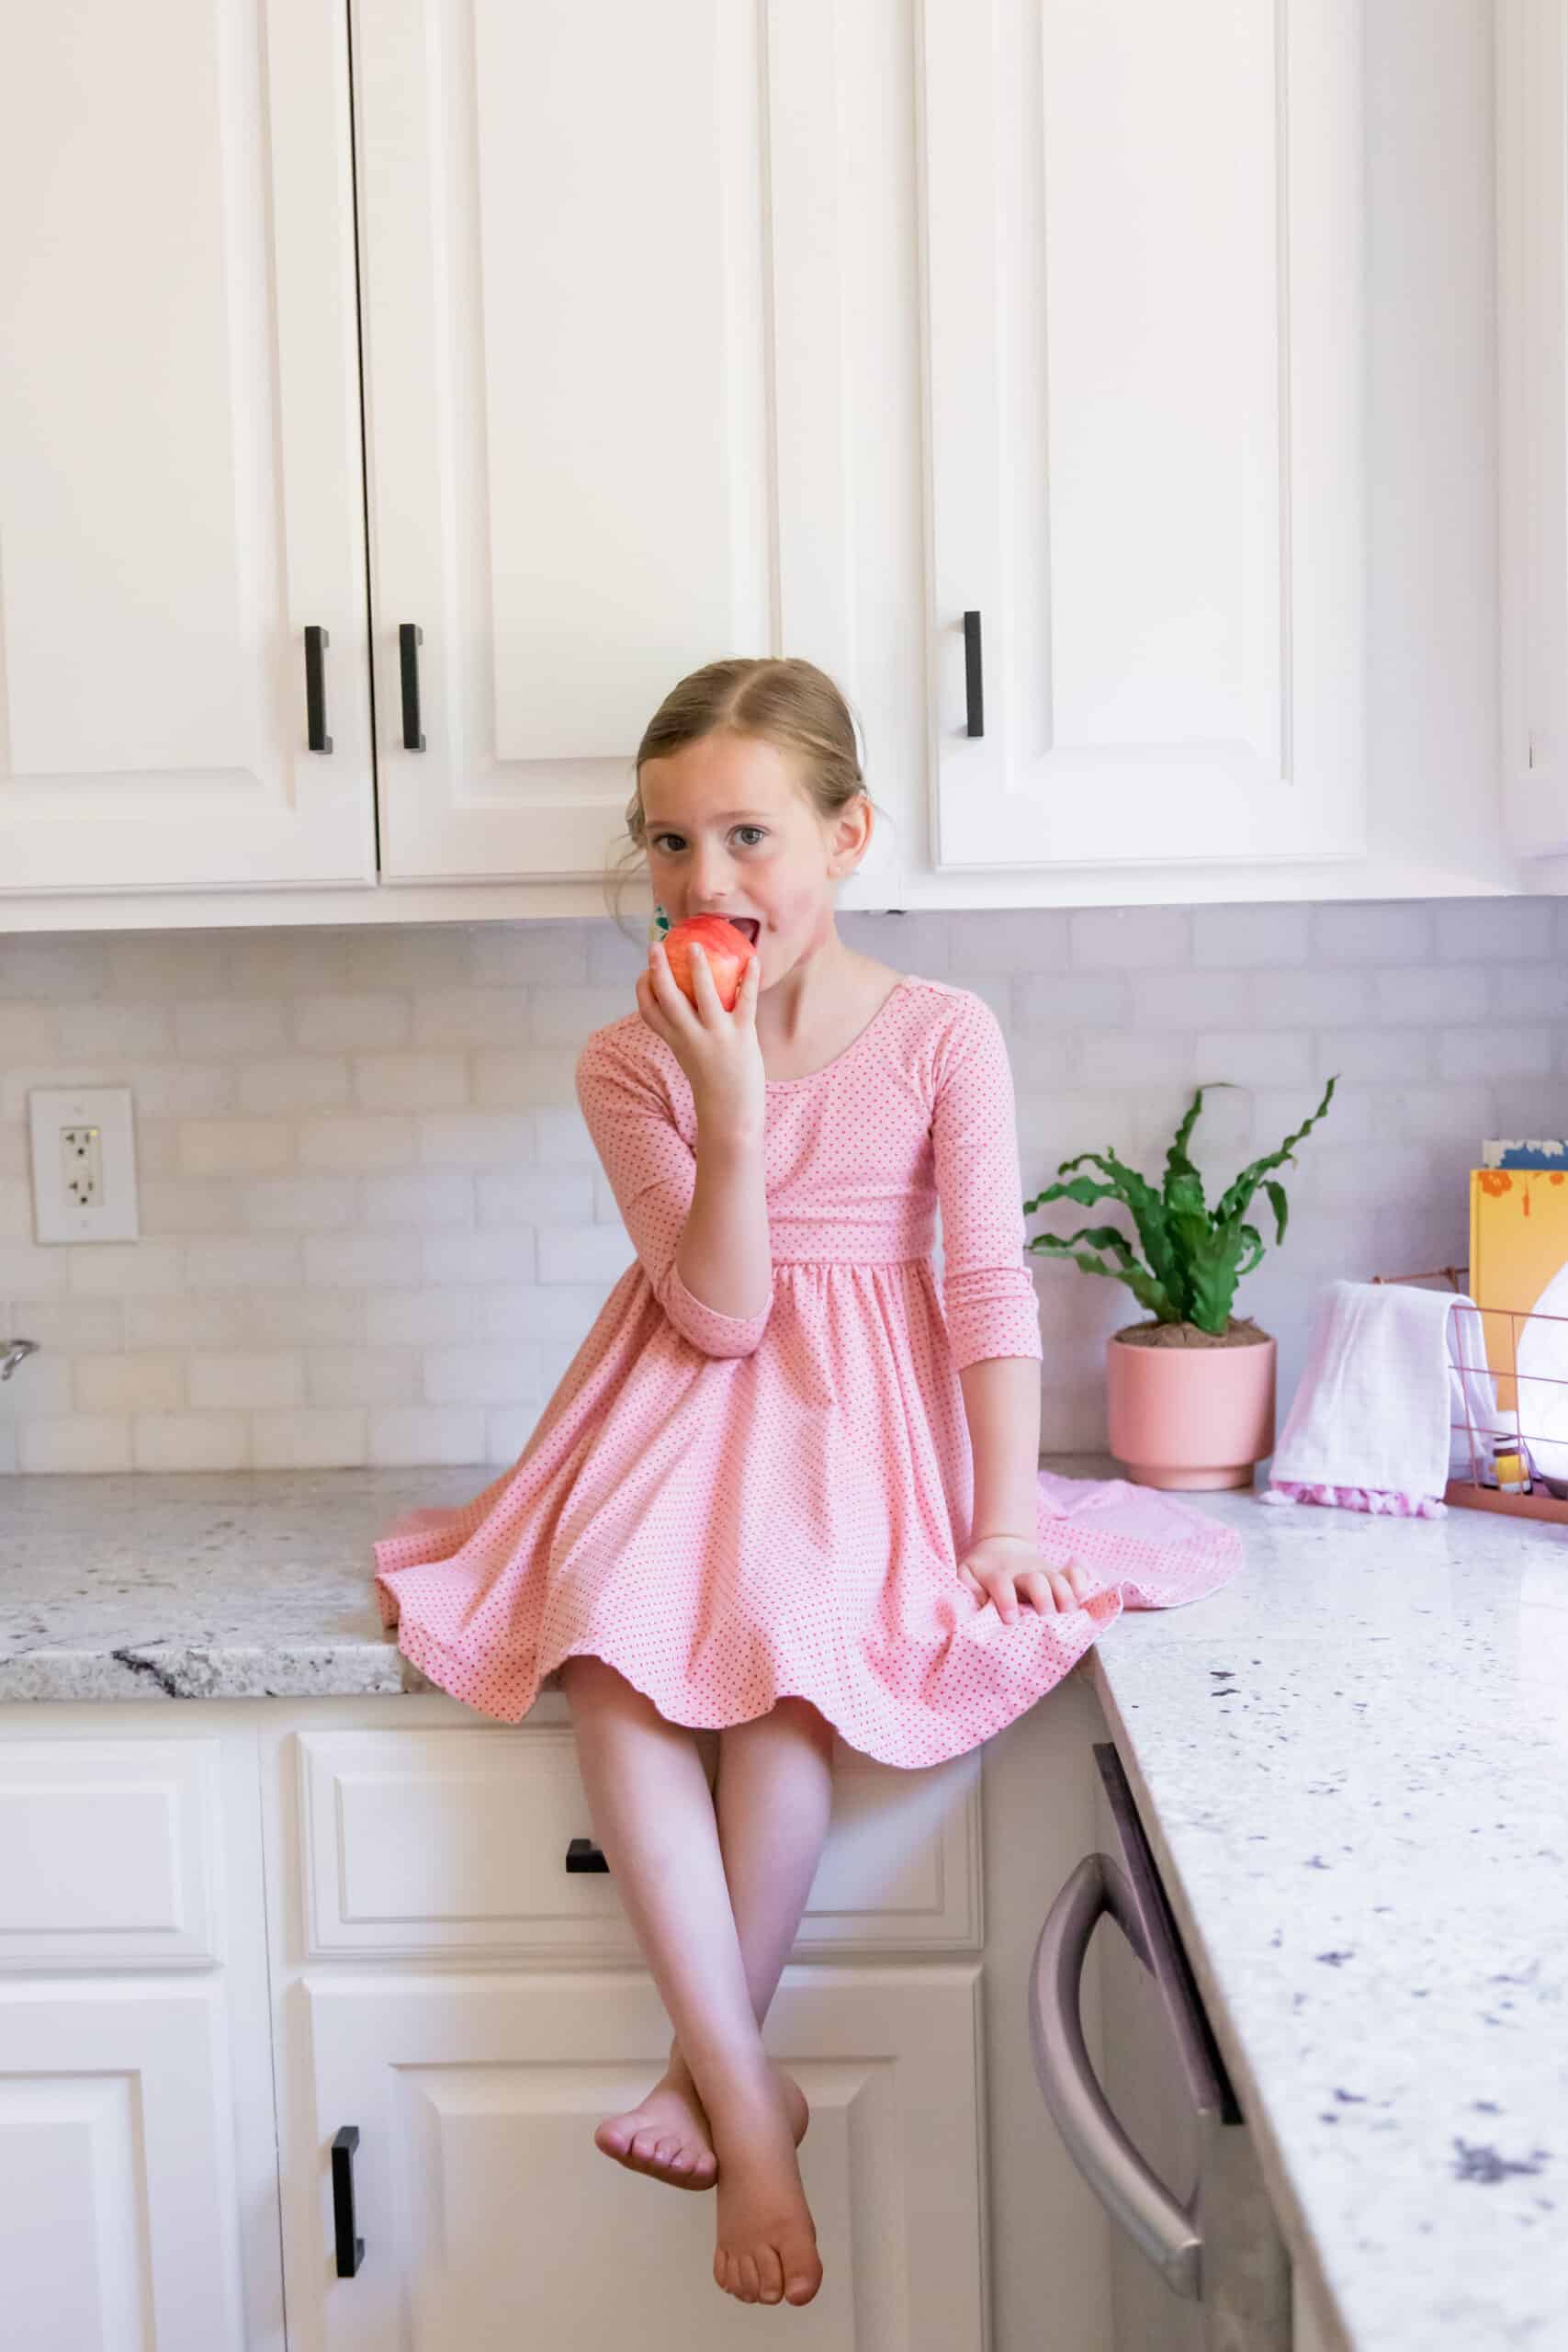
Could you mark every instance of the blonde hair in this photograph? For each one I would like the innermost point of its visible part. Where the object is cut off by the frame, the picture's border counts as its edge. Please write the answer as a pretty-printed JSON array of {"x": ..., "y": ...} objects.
[{"x": 788, "y": 703}]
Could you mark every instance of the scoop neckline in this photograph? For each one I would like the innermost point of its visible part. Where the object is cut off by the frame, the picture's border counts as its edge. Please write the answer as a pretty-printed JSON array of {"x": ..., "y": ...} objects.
[{"x": 860, "y": 1037}]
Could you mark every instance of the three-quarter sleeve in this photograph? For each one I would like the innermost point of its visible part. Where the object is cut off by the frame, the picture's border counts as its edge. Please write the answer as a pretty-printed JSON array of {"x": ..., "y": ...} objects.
[
  {"x": 653, "y": 1172},
  {"x": 987, "y": 1291}
]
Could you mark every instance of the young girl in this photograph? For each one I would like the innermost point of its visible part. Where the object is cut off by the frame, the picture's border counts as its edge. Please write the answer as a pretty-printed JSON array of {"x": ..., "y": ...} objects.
[{"x": 785, "y": 1488}]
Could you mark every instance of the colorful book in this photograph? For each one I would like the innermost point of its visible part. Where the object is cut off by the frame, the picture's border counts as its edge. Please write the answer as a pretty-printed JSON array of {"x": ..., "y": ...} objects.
[
  {"x": 1518, "y": 1279},
  {"x": 1546, "y": 1154}
]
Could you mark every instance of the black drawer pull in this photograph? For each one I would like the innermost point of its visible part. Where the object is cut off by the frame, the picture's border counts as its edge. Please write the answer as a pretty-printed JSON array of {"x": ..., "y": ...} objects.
[
  {"x": 350, "y": 2249},
  {"x": 316, "y": 642},
  {"x": 582, "y": 1854},
  {"x": 972, "y": 680},
  {"x": 409, "y": 639}
]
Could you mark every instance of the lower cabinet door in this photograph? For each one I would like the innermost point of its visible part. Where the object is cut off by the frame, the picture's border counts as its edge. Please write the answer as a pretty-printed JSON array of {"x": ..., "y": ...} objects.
[
  {"x": 489, "y": 2219},
  {"x": 117, "y": 2201}
]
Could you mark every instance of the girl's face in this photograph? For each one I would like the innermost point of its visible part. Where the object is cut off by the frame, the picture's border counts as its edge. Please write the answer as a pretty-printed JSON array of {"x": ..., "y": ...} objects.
[{"x": 730, "y": 831}]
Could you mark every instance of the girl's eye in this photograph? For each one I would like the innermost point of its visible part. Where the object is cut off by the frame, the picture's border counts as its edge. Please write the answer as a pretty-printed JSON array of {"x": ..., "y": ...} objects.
[{"x": 660, "y": 839}]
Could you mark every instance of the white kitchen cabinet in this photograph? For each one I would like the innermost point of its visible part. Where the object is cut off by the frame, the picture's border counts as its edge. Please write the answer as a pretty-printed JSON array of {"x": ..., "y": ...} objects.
[
  {"x": 484, "y": 2208},
  {"x": 1532, "y": 325},
  {"x": 1142, "y": 315},
  {"x": 118, "y": 2209},
  {"x": 137, "y": 2154},
  {"x": 180, "y": 460},
  {"x": 617, "y": 415}
]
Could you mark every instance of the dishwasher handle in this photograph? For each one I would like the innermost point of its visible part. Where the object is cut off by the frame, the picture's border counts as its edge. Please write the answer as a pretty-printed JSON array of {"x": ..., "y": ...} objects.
[{"x": 1132, "y": 2195}]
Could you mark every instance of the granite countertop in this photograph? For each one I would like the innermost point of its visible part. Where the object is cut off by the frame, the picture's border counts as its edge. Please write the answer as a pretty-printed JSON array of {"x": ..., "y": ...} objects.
[{"x": 1352, "y": 1762}]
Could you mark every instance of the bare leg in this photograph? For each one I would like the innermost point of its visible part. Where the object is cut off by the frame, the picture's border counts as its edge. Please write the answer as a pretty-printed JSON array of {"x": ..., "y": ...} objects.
[
  {"x": 654, "y": 1817},
  {"x": 773, "y": 1803}
]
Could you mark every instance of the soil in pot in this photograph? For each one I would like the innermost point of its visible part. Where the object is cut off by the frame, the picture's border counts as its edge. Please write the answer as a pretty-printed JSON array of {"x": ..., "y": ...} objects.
[{"x": 1239, "y": 1333}]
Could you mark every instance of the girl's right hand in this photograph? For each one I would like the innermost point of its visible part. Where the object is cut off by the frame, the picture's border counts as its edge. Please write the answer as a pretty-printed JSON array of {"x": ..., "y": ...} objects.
[{"x": 717, "y": 1050}]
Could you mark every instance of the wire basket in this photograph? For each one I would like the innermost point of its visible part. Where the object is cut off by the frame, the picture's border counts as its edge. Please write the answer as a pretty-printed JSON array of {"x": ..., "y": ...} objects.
[{"x": 1547, "y": 1497}]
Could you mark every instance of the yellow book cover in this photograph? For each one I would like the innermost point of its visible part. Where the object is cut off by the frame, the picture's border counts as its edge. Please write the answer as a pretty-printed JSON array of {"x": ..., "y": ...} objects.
[{"x": 1518, "y": 1278}]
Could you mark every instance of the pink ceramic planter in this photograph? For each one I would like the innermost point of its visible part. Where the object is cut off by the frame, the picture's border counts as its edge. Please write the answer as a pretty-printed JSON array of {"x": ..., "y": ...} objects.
[{"x": 1194, "y": 1417}]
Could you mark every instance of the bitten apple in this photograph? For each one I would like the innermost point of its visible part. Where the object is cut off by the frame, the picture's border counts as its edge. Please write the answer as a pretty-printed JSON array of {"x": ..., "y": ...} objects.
[{"x": 729, "y": 952}]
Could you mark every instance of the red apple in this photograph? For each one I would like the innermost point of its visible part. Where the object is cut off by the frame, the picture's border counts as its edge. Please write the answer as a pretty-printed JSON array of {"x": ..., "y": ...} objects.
[{"x": 729, "y": 952}]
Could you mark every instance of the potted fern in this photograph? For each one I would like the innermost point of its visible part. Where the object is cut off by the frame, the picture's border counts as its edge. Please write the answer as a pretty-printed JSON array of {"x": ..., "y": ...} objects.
[{"x": 1191, "y": 1392}]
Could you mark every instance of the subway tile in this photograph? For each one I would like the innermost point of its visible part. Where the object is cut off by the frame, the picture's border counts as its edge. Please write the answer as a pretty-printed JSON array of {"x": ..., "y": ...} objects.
[
  {"x": 504, "y": 1255},
  {"x": 128, "y": 1383},
  {"x": 230, "y": 1028},
  {"x": 364, "y": 1376},
  {"x": 1391, "y": 933},
  {"x": 295, "y": 1204},
  {"x": 54, "y": 971},
  {"x": 1234, "y": 937},
  {"x": 75, "y": 1442},
  {"x": 359, "y": 1261},
  {"x": 234, "y": 1146},
  {"x": 1129, "y": 939},
  {"x": 461, "y": 1017},
  {"x": 248, "y": 1262},
  {"x": 435, "y": 1434},
  {"x": 477, "y": 1375},
  {"x": 513, "y": 954},
  {"x": 190, "y": 1442},
  {"x": 122, "y": 1269},
  {"x": 1431, "y": 997},
  {"x": 244, "y": 1384},
  {"x": 352, "y": 1024},
  {"x": 365, "y": 1143},
  {"x": 475, "y": 1139},
  {"x": 535, "y": 1196},
  {"x": 308, "y": 1439},
  {"x": 410, "y": 1081},
  {"x": 1508, "y": 928},
  {"x": 300, "y": 1086},
  {"x": 425, "y": 1196}
]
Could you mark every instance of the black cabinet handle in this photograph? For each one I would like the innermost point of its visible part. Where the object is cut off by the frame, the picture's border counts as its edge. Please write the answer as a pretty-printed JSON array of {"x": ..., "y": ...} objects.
[
  {"x": 582, "y": 1854},
  {"x": 973, "y": 678},
  {"x": 350, "y": 2249},
  {"x": 409, "y": 639},
  {"x": 316, "y": 642}
]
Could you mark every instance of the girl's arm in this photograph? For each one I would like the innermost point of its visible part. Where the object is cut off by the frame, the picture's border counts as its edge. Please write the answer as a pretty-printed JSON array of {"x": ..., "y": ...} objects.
[
  {"x": 988, "y": 1296},
  {"x": 1001, "y": 1399},
  {"x": 707, "y": 1209},
  {"x": 725, "y": 1254}
]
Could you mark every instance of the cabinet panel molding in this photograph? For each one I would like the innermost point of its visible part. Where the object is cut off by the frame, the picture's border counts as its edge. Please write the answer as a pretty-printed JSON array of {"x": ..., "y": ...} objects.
[
  {"x": 421, "y": 1842},
  {"x": 110, "y": 1854}
]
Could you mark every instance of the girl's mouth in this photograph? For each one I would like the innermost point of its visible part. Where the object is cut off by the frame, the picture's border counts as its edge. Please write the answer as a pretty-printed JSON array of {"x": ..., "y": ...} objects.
[{"x": 748, "y": 924}]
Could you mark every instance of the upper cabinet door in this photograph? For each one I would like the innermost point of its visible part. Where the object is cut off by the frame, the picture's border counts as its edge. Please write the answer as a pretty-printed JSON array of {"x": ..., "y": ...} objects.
[
  {"x": 602, "y": 260},
  {"x": 1532, "y": 314},
  {"x": 180, "y": 456},
  {"x": 1144, "y": 289}
]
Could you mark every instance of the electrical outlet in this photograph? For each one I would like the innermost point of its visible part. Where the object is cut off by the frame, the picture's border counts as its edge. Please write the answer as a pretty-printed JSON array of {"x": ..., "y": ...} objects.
[{"x": 83, "y": 1164}]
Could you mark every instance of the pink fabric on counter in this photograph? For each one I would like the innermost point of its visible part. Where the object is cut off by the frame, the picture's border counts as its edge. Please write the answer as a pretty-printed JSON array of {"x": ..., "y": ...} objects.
[{"x": 1378, "y": 1499}]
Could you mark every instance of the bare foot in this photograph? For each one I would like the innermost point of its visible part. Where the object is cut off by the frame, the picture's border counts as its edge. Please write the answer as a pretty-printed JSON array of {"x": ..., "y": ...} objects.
[
  {"x": 668, "y": 2137},
  {"x": 767, "y": 2240}
]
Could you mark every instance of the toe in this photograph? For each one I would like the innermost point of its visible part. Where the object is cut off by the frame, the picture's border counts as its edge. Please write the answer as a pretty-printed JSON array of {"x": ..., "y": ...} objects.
[
  {"x": 748, "y": 2265},
  {"x": 769, "y": 2274},
  {"x": 803, "y": 2275}
]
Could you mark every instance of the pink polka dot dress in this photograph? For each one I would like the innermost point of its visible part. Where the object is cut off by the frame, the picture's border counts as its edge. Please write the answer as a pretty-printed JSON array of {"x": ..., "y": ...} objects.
[{"x": 730, "y": 1509}]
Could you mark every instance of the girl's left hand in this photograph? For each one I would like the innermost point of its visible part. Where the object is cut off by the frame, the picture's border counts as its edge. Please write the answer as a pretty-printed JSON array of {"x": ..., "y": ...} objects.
[{"x": 1004, "y": 1568}]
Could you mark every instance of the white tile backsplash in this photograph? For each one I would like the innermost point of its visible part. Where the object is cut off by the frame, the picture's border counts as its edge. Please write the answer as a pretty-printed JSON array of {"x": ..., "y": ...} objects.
[{"x": 375, "y": 1229}]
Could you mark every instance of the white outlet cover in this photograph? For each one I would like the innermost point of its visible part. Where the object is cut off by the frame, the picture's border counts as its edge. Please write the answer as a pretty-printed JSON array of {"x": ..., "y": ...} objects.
[{"x": 56, "y": 1217}]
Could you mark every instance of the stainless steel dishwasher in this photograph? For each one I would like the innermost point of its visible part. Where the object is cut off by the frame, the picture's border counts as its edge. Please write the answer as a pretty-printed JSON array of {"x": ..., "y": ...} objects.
[{"x": 1198, "y": 2264}]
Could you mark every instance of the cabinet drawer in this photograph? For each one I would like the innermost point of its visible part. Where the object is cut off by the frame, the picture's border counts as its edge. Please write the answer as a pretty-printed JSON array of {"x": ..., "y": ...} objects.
[
  {"x": 108, "y": 1853},
  {"x": 421, "y": 1842}
]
